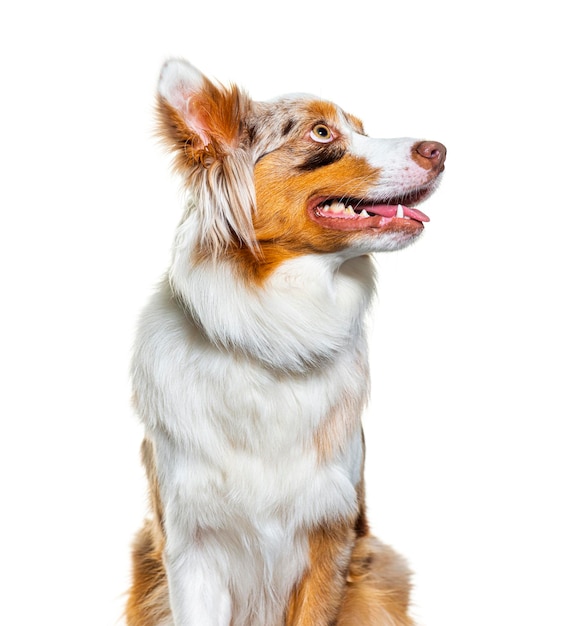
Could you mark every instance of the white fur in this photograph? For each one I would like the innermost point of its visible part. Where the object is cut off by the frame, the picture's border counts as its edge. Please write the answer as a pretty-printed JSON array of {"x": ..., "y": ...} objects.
[
  {"x": 234, "y": 429},
  {"x": 309, "y": 309},
  {"x": 398, "y": 172}
]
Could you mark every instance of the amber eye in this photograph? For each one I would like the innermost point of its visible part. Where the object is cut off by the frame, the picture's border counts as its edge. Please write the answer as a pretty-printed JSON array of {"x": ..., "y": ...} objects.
[{"x": 321, "y": 133}]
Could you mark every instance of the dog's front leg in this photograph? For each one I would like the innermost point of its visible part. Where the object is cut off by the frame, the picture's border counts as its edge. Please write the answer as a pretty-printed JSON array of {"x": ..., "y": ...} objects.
[
  {"x": 196, "y": 573},
  {"x": 198, "y": 596},
  {"x": 317, "y": 598}
]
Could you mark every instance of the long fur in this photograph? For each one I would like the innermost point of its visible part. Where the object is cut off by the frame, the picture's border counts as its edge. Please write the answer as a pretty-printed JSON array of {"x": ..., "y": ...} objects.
[{"x": 250, "y": 368}]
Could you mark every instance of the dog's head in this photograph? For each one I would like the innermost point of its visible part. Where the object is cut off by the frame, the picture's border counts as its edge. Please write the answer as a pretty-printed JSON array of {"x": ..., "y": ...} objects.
[{"x": 269, "y": 181}]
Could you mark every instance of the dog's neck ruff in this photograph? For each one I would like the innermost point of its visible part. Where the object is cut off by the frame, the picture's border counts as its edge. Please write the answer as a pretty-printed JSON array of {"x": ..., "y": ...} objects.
[{"x": 308, "y": 310}]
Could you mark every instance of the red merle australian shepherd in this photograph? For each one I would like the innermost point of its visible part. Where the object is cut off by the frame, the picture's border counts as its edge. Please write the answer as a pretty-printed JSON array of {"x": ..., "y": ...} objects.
[{"x": 250, "y": 369}]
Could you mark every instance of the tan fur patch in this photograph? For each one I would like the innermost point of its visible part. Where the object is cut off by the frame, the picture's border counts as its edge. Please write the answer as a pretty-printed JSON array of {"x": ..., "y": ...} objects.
[
  {"x": 282, "y": 226},
  {"x": 350, "y": 582},
  {"x": 344, "y": 420},
  {"x": 378, "y": 587},
  {"x": 148, "y": 601},
  {"x": 216, "y": 112},
  {"x": 219, "y": 111},
  {"x": 318, "y": 596},
  {"x": 356, "y": 122}
]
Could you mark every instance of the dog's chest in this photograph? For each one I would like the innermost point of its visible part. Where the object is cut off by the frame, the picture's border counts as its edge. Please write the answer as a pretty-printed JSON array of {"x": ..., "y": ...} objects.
[
  {"x": 234, "y": 422},
  {"x": 258, "y": 483},
  {"x": 260, "y": 445},
  {"x": 248, "y": 460}
]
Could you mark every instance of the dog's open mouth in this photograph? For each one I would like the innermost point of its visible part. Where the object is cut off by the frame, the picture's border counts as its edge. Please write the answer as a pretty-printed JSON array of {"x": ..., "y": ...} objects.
[{"x": 356, "y": 214}]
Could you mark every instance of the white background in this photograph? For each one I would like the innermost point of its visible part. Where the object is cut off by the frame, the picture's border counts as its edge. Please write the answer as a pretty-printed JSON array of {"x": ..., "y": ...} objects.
[{"x": 473, "y": 429}]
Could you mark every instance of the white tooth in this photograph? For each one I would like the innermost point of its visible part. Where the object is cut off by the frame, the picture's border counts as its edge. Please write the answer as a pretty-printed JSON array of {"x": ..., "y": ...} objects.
[
  {"x": 326, "y": 207},
  {"x": 399, "y": 211},
  {"x": 336, "y": 207},
  {"x": 349, "y": 210},
  {"x": 364, "y": 213}
]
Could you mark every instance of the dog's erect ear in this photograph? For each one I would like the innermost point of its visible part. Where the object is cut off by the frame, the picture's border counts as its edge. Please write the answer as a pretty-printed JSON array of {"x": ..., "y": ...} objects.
[
  {"x": 200, "y": 119},
  {"x": 204, "y": 124}
]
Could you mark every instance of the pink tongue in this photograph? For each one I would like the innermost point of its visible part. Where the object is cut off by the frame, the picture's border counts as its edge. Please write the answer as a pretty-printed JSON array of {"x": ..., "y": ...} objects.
[{"x": 389, "y": 210}]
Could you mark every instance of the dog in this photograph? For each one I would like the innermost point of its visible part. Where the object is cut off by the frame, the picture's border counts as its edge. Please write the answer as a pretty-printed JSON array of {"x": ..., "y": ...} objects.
[{"x": 250, "y": 367}]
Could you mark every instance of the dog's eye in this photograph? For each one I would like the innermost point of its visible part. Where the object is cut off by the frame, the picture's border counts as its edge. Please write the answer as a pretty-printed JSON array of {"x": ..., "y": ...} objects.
[{"x": 321, "y": 133}]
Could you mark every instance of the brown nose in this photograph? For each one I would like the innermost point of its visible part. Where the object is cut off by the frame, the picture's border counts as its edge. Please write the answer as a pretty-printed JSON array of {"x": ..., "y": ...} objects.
[{"x": 430, "y": 155}]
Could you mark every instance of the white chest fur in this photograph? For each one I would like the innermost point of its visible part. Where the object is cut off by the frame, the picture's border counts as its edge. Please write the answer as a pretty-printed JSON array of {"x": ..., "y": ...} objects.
[{"x": 242, "y": 469}]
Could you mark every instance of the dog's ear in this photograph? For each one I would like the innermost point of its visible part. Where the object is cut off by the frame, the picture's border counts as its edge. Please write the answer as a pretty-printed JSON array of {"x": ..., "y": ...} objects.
[
  {"x": 204, "y": 124},
  {"x": 199, "y": 119}
]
